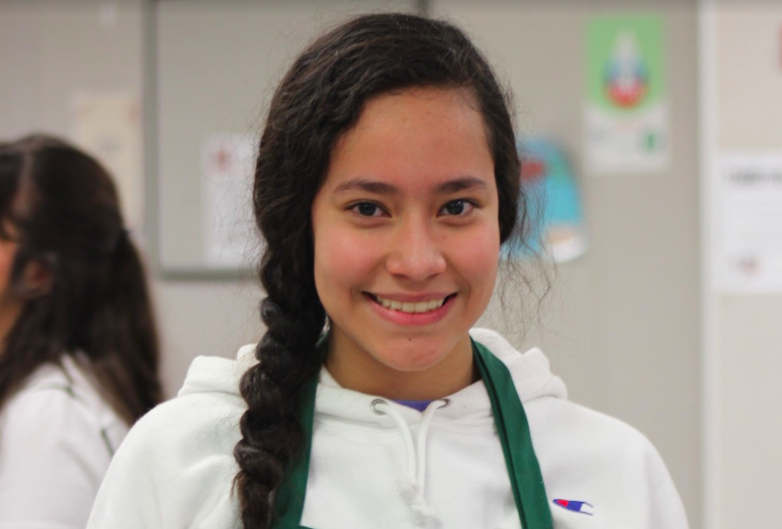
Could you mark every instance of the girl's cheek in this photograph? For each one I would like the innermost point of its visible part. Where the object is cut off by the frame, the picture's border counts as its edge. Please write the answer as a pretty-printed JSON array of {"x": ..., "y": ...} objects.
[
  {"x": 477, "y": 253},
  {"x": 345, "y": 253},
  {"x": 481, "y": 263}
]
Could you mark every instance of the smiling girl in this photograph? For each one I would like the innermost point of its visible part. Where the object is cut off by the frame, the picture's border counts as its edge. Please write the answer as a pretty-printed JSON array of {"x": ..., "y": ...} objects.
[{"x": 386, "y": 183}]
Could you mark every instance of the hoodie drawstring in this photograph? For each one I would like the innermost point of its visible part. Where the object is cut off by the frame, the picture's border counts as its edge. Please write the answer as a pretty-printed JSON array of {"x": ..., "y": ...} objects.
[{"x": 412, "y": 487}]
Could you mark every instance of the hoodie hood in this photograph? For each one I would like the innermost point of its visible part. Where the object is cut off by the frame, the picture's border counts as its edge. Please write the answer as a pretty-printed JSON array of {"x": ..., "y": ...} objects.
[{"x": 530, "y": 372}]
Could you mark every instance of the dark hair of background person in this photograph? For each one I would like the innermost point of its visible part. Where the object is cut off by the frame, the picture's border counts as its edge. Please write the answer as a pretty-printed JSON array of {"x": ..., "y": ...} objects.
[
  {"x": 61, "y": 208},
  {"x": 319, "y": 99}
]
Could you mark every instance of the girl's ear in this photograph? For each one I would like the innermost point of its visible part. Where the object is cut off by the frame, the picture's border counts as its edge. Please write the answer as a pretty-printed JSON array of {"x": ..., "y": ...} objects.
[{"x": 36, "y": 278}]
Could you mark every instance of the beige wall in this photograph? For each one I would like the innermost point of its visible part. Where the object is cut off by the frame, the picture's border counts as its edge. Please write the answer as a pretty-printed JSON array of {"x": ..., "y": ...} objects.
[
  {"x": 748, "y": 80},
  {"x": 744, "y": 358}
]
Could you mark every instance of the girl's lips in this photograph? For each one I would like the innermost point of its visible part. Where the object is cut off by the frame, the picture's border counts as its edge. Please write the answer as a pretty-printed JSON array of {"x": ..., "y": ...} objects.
[
  {"x": 410, "y": 298},
  {"x": 412, "y": 318}
]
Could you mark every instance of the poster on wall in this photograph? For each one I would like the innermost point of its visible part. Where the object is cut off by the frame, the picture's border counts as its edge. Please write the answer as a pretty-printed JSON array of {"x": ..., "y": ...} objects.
[
  {"x": 229, "y": 235},
  {"x": 626, "y": 122},
  {"x": 553, "y": 202},
  {"x": 750, "y": 223},
  {"x": 108, "y": 126}
]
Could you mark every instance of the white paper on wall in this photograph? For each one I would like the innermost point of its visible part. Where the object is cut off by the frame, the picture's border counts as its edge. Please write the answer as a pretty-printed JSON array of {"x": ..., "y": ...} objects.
[
  {"x": 230, "y": 239},
  {"x": 108, "y": 126},
  {"x": 627, "y": 144},
  {"x": 750, "y": 223}
]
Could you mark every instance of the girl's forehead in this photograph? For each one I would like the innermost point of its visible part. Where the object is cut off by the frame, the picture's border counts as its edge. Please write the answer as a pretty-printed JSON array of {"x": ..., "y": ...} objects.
[
  {"x": 417, "y": 138},
  {"x": 413, "y": 108}
]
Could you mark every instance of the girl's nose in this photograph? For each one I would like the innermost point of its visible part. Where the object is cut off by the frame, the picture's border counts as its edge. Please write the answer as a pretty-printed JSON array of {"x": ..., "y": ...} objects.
[{"x": 415, "y": 254}]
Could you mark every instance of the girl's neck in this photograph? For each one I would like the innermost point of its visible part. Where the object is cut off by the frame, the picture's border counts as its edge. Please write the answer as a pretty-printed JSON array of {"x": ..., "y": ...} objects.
[{"x": 358, "y": 370}]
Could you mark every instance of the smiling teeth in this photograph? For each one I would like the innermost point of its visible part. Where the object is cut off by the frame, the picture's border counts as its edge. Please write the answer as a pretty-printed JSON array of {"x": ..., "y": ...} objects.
[{"x": 411, "y": 308}]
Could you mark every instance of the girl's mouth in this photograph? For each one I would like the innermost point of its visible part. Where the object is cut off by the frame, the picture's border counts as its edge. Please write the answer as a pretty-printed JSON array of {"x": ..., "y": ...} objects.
[{"x": 420, "y": 307}]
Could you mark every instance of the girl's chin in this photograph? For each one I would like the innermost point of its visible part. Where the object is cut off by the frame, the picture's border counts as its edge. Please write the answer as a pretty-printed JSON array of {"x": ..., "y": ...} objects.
[
  {"x": 404, "y": 366},
  {"x": 412, "y": 355}
]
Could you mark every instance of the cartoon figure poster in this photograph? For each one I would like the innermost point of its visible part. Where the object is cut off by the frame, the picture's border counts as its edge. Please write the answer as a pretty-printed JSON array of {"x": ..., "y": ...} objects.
[
  {"x": 626, "y": 112},
  {"x": 554, "y": 204}
]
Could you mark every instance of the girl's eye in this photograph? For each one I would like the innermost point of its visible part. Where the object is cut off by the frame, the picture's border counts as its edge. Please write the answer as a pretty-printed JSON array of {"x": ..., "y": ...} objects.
[
  {"x": 367, "y": 209},
  {"x": 457, "y": 208}
]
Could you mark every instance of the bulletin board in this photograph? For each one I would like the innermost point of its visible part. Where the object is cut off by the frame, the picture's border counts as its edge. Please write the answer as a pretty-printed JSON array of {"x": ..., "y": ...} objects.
[{"x": 211, "y": 69}]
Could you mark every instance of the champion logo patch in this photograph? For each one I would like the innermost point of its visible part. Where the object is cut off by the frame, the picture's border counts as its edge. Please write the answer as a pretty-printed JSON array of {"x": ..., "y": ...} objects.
[{"x": 575, "y": 506}]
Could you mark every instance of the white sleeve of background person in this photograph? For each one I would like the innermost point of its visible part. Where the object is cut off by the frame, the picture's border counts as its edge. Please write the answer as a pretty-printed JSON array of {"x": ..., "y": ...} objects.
[{"x": 52, "y": 460}]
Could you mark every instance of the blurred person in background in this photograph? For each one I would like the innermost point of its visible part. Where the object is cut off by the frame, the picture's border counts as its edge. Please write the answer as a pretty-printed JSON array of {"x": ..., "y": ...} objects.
[{"x": 79, "y": 354}]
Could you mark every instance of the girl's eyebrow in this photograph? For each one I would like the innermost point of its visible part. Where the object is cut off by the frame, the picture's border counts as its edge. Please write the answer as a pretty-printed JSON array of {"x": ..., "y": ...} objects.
[
  {"x": 461, "y": 184},
  {"x": 369, "y": 186},
  {"x": 383, "y": 188}
]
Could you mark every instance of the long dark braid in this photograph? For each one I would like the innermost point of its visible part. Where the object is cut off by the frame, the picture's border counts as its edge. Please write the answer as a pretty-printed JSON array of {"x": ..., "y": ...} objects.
[
  {"x": 319, "y": 99},
  {"x": 287, "y": 360}
]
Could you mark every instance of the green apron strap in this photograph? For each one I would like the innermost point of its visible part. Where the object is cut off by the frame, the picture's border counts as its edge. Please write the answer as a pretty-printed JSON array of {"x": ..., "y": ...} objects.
[
  {"x": 289, "y": 498},
  {"x": 513, "y": 429}
]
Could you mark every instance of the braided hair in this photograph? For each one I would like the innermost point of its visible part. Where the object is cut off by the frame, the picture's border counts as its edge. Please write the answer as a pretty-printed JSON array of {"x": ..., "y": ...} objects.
[{"x": 319, "y": 99}]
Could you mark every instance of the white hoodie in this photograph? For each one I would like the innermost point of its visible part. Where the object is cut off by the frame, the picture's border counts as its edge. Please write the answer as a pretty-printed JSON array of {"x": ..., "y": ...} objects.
[
  {"x": 57, "y": 436},
  {"x": 370, "y": 470}
]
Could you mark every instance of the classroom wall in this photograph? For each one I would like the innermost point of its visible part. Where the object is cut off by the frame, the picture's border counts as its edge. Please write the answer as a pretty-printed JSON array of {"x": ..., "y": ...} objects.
[{"x": 744, "y": 356}]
